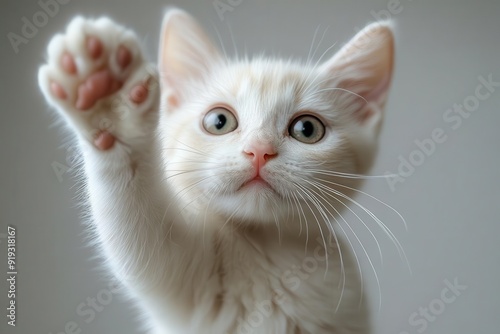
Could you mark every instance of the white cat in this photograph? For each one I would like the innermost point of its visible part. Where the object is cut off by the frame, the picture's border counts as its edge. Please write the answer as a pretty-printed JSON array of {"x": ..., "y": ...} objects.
[{"x": 215, "y": 202}]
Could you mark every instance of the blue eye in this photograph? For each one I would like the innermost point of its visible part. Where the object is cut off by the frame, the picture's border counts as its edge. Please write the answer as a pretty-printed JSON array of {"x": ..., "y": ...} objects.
[
  {"x": 307, "y": 129},
  {"x": 219, "y": 121}
]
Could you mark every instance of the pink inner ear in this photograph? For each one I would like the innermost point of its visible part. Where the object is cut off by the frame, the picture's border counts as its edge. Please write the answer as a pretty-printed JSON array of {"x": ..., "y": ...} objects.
[
  {"x": 380, "y": 90},
  {"x": 186, "y": 52},
  {"x": 375, "y": 100},
  {"x": 365, "y": 68}
]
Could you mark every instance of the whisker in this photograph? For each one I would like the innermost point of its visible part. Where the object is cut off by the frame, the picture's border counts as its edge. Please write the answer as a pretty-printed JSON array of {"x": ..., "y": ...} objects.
[
  {"x": 276, "y": 221},
  {"x": 309, "y": 57},
  {"x": 320, "y": 185},
  {"x": 193, "y": 161},
  {"x": 230, "y": 217},
  {"x": 176, "y": 198},
  {"x": 323, "y": 214},
  {"x": 314, "y": 84},
  {"x": 349, "y": 175},
  {"x": 221, "y": 42},
  {"x": 350, "y": 243},
  {"x": 235, "y": 48},
  {"x": 306, "y": 90},
  {"x": 301, "y": 214},
  {"x": 186, "y": 150},
  {"x": 214, "y": 190},
  {"x": 182, "y": 171},
  {"x": 320, "y": 41},
  {"x": 307, "y": 227},
  {"x": 373, "y": 197},
  {"x": 384, "y": 227},
  {"x": 289, "y": 208},
  {"x": 212, "y": 154},
  {"x": 342, "y": 90}
]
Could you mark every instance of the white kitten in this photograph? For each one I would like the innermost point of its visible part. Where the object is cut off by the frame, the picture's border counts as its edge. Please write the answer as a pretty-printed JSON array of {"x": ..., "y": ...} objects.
[{"x": 214, "y": 203}]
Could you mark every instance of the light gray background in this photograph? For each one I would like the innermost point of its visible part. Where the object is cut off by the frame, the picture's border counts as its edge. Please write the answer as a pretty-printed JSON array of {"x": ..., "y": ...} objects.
[{"x": 450, "y": 202}]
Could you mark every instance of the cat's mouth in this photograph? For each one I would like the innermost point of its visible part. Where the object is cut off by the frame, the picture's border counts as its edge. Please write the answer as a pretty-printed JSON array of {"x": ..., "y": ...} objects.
[{"x": 256, "y": 182}]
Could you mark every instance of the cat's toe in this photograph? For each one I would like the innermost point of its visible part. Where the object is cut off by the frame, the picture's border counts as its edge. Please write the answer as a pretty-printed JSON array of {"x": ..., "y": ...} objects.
[
  {"x": 94, "y": 47},
  {"x": 68, "y": 63},
  {"x": 139, "y": 93},
  {"x": 104, "y": 140},
  {"x": 58, "y": 91}
]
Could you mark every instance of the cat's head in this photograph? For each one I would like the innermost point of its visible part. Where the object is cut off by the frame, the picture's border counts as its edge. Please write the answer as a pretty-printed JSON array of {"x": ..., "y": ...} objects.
[{"x": 254, "y": 138}]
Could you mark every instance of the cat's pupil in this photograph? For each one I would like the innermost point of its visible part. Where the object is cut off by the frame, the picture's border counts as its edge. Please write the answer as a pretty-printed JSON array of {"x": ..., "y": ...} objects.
[
  {"x": 307, "y": 129},
  {"x": 221, "y": 121}
]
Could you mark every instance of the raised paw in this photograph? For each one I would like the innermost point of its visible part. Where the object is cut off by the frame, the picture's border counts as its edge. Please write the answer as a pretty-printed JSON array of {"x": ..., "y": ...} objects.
[{"x": 98, "y": 80}]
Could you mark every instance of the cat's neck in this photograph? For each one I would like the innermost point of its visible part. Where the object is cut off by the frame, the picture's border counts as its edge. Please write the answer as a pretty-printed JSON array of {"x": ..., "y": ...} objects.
[{"x": 307, "y": 229}]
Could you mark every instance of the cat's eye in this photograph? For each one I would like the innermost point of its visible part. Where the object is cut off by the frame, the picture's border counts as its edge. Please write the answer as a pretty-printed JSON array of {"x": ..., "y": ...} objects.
[
  {"x": 307, "y": 129},
  {"x": 220, "y": 121}
]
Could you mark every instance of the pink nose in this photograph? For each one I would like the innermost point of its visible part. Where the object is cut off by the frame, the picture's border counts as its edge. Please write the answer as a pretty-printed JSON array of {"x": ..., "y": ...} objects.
[{"x": 260, "y": 153}]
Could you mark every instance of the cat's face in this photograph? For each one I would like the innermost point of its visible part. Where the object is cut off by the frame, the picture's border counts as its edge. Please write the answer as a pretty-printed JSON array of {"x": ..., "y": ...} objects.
[{"x": 251, "y": 139}]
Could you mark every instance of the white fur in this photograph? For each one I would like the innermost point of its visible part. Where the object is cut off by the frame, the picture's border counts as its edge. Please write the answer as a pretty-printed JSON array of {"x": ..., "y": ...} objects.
[{"x": 198, "y": 255}]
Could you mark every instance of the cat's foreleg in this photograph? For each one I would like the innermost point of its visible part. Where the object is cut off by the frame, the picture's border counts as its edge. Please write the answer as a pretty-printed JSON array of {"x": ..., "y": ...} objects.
[{"x": 99, "y": 82}]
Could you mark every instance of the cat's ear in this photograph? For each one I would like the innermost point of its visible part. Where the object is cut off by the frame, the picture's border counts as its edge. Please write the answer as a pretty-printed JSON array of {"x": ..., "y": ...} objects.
[
  {"x": 186, "y": 52},
  {"x": 361, "y": 71}
]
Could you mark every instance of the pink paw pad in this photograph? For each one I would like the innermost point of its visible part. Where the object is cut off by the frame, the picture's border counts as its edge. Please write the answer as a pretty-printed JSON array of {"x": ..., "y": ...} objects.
[
  {"x": 139, "y": 93},
  {"x": 68, "y": 63},
  {"x": 102, "y": 83},
  {"x": 98, "y": 85},
  {"x": 104, "y": 141},
  {"x": 57, "y": 90},
  {"x": 123, "y": 57},
  {"x": 94, "y": 47}
]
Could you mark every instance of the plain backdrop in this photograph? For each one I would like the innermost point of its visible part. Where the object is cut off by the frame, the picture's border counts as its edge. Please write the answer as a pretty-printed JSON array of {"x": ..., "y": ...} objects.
[{"x": 450, "y": 201}]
